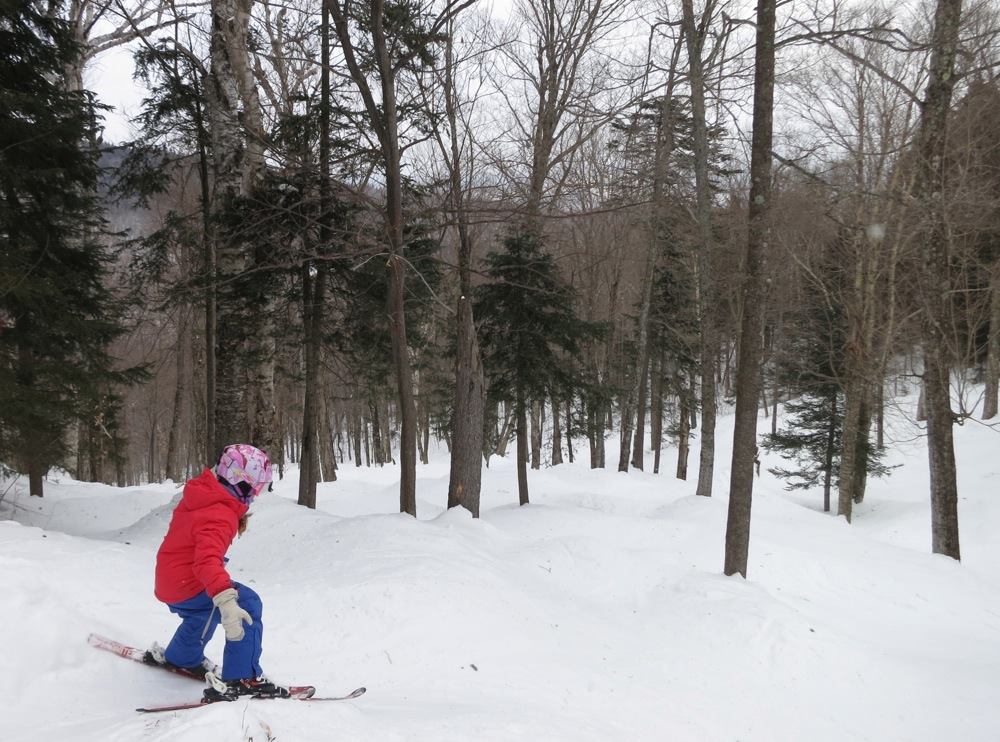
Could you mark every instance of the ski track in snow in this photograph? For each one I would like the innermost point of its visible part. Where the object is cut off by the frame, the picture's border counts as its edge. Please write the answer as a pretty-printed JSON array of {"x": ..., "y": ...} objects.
[{"x": 598, "y": 612}]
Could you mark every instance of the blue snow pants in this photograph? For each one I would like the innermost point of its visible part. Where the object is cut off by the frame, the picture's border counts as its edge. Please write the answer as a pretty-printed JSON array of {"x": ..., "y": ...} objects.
[{"x": 200, "y": 618}]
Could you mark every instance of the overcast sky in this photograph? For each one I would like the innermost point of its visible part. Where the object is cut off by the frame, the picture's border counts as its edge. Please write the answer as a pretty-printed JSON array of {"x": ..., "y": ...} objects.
[{"x": 110, "y": 77}]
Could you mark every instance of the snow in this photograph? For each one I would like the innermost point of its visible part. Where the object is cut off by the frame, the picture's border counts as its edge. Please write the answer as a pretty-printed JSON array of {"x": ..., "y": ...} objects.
[{"x": 598, "y": 612}]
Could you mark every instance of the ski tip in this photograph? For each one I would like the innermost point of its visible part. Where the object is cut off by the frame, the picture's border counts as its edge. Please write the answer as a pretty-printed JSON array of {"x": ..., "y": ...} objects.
[{"x": 359, "y": 692}]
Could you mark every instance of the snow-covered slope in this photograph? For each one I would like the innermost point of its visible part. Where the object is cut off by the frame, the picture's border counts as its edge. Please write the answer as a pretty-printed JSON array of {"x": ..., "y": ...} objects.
[{"x": 598, "y": 612}]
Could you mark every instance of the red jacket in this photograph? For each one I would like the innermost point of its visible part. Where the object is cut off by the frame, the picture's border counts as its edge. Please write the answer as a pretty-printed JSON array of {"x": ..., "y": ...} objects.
[{"x": 191, "y": 557}]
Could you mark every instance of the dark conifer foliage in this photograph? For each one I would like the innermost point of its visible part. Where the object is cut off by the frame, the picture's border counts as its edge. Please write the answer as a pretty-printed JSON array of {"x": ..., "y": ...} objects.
[
  {"x": 57, "y": 315},
  {"x": 810, "y": 368},
  {"x": 531, "y": 336}
]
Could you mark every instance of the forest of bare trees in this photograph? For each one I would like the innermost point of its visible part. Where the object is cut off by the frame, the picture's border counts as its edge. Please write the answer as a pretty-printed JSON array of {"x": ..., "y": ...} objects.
[{"x": 352, "y": 233}]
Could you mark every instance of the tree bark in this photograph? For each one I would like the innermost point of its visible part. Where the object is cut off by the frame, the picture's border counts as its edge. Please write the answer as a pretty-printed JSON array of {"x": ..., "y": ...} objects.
[
  {"x": 509, "y": 425},
  {"x": 327, "y": 444},
  {"x": 662, "y": 154},
  {"x": 537, "y": 425},
  {"x": 683, "y": 437},
  {"x": 748, "y": 366},
  {"x": 465, "y": 480},
  {"x": 656, "y": 412},
  {"x": 173, "y": 436},
  {"x": 993, "y": 348},
  {"x": 854, "y": 441},
  {"x": 556, "y": 434},
  {"x": 358, "y": 424},
  {"x": 383, "y": 117},
  {"x": 233, "y": 172},
  {"x": 639, "y": 438},
  {"x": 936, "y": 275},
  {"x": 831, "y": 449},
  {"x": 695, "y": 35},
  {"x": 312, "y": 297},
  {"x": 522, "y": 448},
  {"x": 569, "y": 428}
]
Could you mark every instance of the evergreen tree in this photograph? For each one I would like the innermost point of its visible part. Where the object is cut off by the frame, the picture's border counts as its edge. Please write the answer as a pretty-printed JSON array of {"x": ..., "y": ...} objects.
[
  {"x": 530, "y": 335},
  {"x": 56, "y": 314},
  {"x": 811, "y": 367}
]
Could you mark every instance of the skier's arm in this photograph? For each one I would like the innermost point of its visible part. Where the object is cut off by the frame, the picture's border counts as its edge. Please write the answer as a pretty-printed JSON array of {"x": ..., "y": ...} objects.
[{"x": 214, "y": 531}]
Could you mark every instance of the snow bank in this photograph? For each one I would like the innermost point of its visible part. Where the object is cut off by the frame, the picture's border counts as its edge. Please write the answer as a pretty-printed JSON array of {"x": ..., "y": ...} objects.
[{"x": 596, "y": 613}]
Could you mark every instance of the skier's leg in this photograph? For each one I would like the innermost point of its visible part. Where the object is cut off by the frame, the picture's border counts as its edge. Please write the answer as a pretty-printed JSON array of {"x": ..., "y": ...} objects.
[
  {"x": 199, "y": 618},
  {"x": 241, "y": 660}
]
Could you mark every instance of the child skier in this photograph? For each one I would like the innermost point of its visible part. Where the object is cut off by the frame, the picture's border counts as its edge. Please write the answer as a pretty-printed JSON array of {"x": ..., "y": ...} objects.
[{"x": 191, "y": 578}]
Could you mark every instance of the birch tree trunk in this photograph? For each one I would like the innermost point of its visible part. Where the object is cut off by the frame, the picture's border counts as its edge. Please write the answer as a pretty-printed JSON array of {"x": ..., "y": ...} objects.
[{"x": 235, "y": 171}]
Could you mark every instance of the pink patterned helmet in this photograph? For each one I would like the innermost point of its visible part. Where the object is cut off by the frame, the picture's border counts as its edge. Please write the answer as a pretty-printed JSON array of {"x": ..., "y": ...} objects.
[{"x": 246, "y": 468}]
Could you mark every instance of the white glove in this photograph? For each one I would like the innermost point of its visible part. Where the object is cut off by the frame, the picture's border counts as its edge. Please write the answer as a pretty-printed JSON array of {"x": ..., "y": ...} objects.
[{"x": 232, "y": 615}]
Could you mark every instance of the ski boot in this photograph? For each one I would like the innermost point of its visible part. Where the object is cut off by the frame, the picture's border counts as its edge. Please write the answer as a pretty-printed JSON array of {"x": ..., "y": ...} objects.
[
  {"x": 230, "y": 690},
  {"x": 154, "y": 656}
]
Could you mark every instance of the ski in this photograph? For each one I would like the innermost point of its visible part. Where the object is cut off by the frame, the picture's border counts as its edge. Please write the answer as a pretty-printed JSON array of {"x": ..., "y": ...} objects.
[
  {"x": 294, "y": 697},
  {"x": 138, "y": 655}
]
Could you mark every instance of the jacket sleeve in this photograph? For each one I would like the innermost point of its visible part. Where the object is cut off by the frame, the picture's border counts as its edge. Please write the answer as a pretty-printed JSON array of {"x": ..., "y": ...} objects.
[{"x": 214, "y": 529}]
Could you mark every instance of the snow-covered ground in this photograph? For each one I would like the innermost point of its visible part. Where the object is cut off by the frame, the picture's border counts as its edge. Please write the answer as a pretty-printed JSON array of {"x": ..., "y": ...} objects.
[{"x": 599, "y": 612}]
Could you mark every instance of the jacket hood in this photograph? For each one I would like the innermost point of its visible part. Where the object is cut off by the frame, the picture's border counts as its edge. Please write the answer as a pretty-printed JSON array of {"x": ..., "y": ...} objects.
[{"x": 205, "y": 490}]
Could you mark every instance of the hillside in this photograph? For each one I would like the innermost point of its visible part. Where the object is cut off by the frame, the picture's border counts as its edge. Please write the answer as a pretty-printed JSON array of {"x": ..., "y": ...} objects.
[{"x": 599, "y": 612}]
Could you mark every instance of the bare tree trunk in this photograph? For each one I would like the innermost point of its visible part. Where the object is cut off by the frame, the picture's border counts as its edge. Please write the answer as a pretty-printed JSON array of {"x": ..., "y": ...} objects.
[
  {"x": 596, "y": 417},
  {"x": 358, "y": 434},
  {"x": 683, "y": 436},
  {"x": 383, "y": 117},
  {"x": 327, "y": 452},
  {"x": 385, "y": 417},
  {"x": 173, "y": 435},
  {"x": 639, "y": 439},
  {"x": 831, "y": 449},
  {"x": 234, "y": 172},
  {"x": 465, "y": 480},
  {"x": 36, "y": 476},
  {"x": 656, "y": 412},
  {"x": 82, "y": 431},
  {"x": 537, "y": 426},
  {"x": 936, "y": 275},
  {"x": 377, "y": 448},
  {"x": 522, "y": 448},
  {"x": 209, "y": 268},
  {"x": 556, "y": 434},
  {"x": 509, "y": 425},
  {"x": 153, "y": 474},
  {"x": 695, "y": 34},
  {"x": 993, "y": 348},
  {"x": 424, "y": 429},
  {"x": 880, "y": 414},
  {"x": 312, "y": 301},
  {"x": 748, "y": 365},
  {"x": 855, "y": 437},
  {"x": 663, "y": 152},
  {"x": 313, "y": 289},
  {"x": 370, "y": 445},
  {"x": 569, "y": 428}
]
